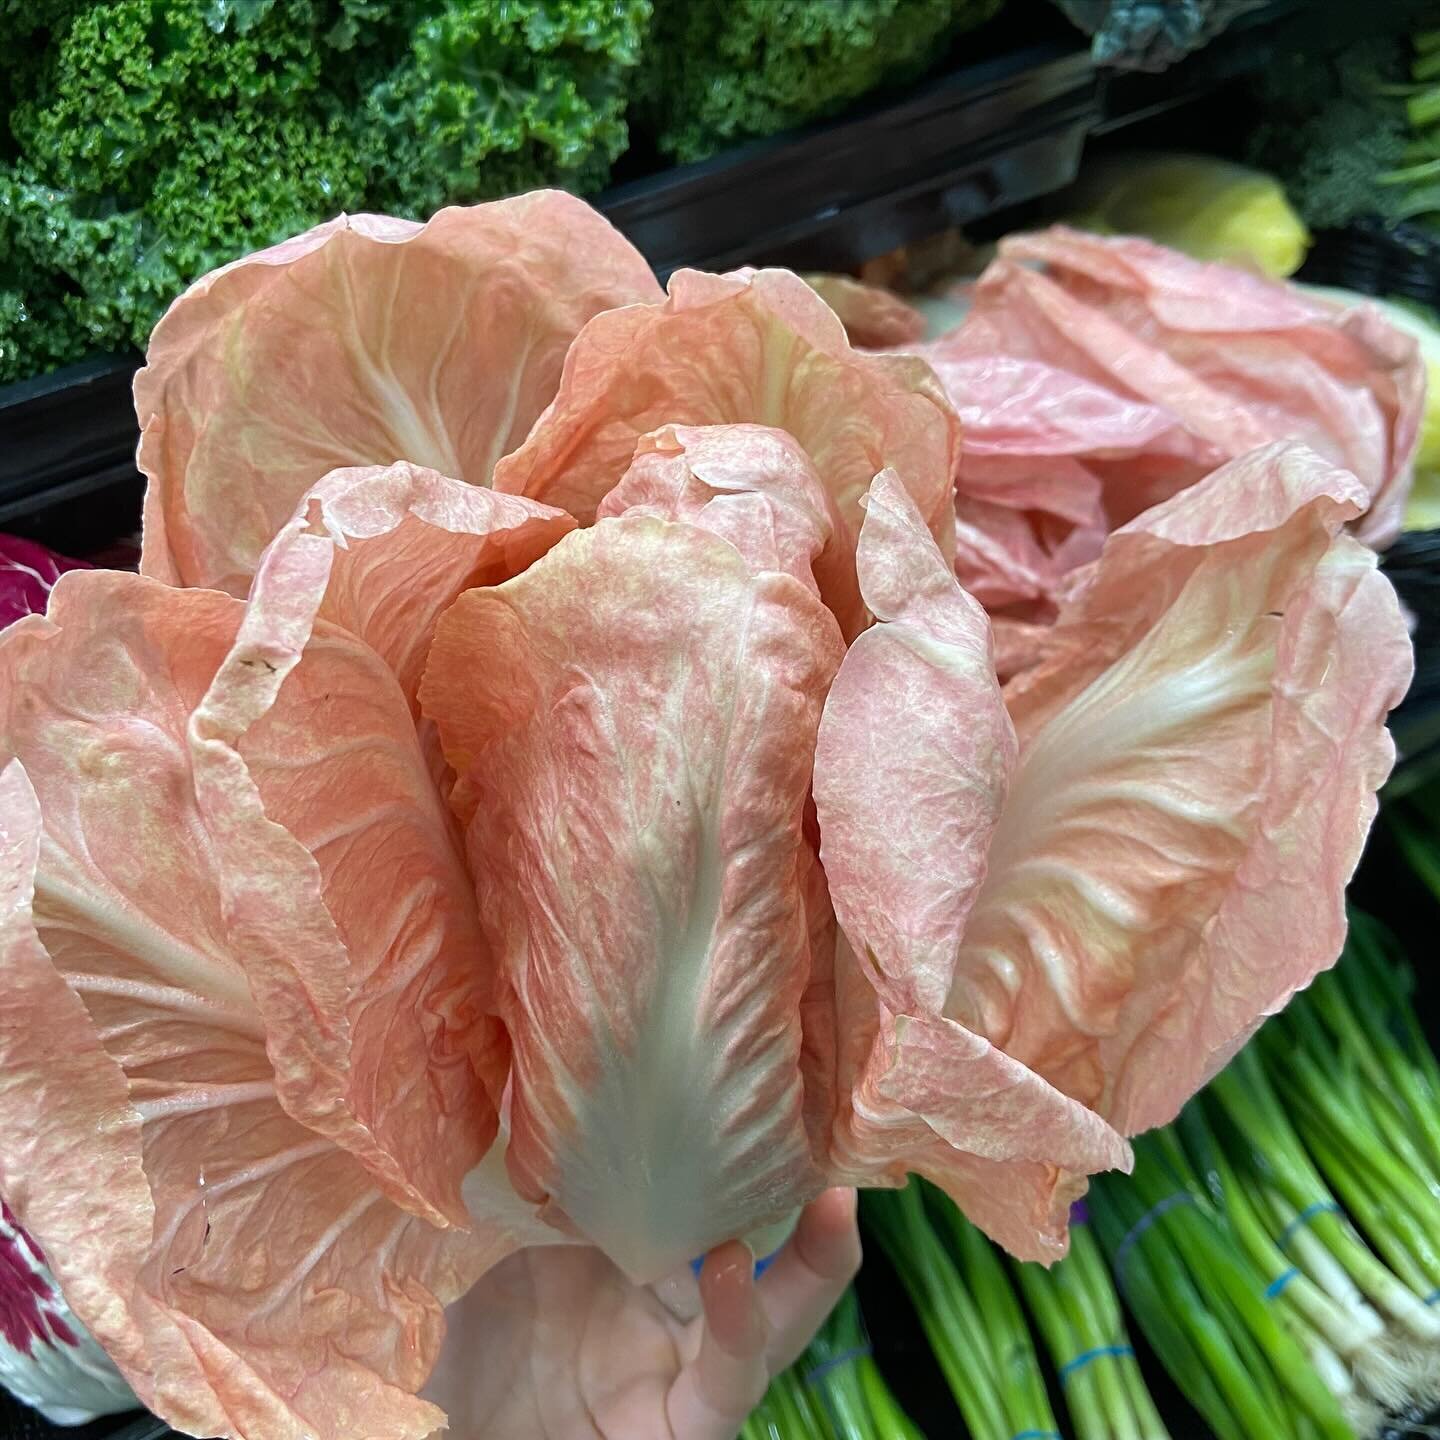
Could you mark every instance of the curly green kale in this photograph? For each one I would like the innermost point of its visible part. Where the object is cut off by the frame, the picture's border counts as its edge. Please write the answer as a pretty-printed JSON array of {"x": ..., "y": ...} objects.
[
  {"x": 719, "y": 71},
  {"x": 148, "y": 141},
  {"x": 150, "y": 146},
  {"x": 491, "y": 98}
]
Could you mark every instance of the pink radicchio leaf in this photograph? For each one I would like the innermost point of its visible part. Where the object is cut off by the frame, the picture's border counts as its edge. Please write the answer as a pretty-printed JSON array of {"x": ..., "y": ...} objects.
[
  {"x": 1198, "y": 758},
  {"x": 365, "y": 341},
  {"x": 339, "y": 863},
  {"x": 246, "y": 1274},
  {"x": 1249, "y": 652},
  {"x": 1050, "y": 462},
  {"x": 921, "y": 1093},
  {"x": 910, "y": 780},
  {"x": 872, "y": 316},
  {"x": 754, "y": 347},
  {"x": 633, "y": 762},
  {"x": 754, "y": 487},
  {"x": 1239, "y": 360}
]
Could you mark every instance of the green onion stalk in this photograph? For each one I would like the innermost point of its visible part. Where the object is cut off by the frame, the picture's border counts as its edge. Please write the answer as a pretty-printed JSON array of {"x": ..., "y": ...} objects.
[
  {"x": 851, "y": 1393},
  {"x": 1338, "y": 1333},
  {"x": 1321, "y": 1143},
  {"x": 968, "y": 1312},
  {"x": 1202, "y": 1304},
  {"x": 1351, "y": 1064},
  {"x": 787, "y": 1412},
  {"x": 1078, "y": 1315},
  {"x": 834, "y": 1391},
  {"x": 1418, "y": 179},
  {"x": 1299, "y": 1207}
]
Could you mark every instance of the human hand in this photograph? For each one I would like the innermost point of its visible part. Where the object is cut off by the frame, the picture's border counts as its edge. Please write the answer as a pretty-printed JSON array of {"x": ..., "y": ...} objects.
[{"x": 556, "y": 1344}]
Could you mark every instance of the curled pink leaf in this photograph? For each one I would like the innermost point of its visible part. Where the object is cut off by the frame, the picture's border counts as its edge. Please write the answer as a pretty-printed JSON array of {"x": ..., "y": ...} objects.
[
  {"x": 921, "y": 1093},
  {"x": 246, "y": 1274},
  {"x": 1239, "y": 360},
  {"x": 314, "y": 780},
  {"x": 872, "y": 316},
  {"x": 1222, "y": 683},
  {"x": 365, "y": 341},
  {"x": 754, "y": 347},
  {"x": 911, "y": 770},
  {"x": 1199, "y": 752},
  {"x": 754, "y": 487},
  {"x": 633, "y": 763}
]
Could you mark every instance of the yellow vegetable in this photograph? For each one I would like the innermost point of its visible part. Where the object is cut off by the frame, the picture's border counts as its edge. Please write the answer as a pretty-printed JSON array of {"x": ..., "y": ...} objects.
[{"x": 1204, "y": 207}]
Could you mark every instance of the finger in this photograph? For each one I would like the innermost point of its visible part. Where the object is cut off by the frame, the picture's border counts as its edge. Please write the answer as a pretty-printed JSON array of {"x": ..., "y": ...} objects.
[
  {"x": 715, "y": 1392},
  {"x": 810, "y": 1275}
]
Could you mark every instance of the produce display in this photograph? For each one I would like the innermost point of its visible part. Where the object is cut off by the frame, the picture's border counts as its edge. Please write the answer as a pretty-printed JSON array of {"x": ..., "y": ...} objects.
[
  {"x": 1352, "y": 130},
  {"x": 721, "y": 71},
  {"x": 579, "y": 773},
  {"x": 149, "y": 141},
  {"x": 1209, "y": 209},
  {"x": 968, "y": 1311},
  {"x": 1096, "y": 376}
]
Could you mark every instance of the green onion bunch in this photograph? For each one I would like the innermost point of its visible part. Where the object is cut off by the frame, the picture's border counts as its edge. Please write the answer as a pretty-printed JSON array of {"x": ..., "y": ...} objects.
[
  {"x": 968, "y": 1310},
  {"x": 1206, "y": 1309},
  {"x": 1079, "y": 1319},
  {"x": 1279, "y": 1245},
  {"x": 835, "y": 1391}
]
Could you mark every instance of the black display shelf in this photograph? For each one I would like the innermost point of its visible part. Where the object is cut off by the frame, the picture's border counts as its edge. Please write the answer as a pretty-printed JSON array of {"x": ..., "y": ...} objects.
[
  {"x": 67, "y": 456},
  {"x": 979, "y": 139}
]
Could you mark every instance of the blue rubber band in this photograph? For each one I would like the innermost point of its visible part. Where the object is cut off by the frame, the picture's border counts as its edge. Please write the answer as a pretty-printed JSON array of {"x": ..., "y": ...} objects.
[
  {"x": 1038, "y": 1435},
  {"x": 845, "y": 1357},
  {"x": 1159, "y": 1208},
  {"x": 1079, "y": 1213},
  {"x": 1312, "y": 1211},
  {"x": 1100, "y": 1352},
  {"x": 761, "y": 1265},
  {"x": 1277, "y": 1286},
  {"x": 1433, "y": 1298}
]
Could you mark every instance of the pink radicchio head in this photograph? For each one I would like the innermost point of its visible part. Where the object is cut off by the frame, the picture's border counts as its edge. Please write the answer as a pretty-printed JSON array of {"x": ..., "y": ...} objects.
[
  {"x": 474, "y": 881},
  {"x": 1097, "y": 377}
]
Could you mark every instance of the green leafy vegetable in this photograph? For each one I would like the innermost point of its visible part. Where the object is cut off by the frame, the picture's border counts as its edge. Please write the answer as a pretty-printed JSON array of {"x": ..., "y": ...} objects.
[
  {"x": 720, "y": 71},
  {"x": 1354, "y": 129},
  {"x": 492, "y": 97},
  {"x": 152, "y": 140}
]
